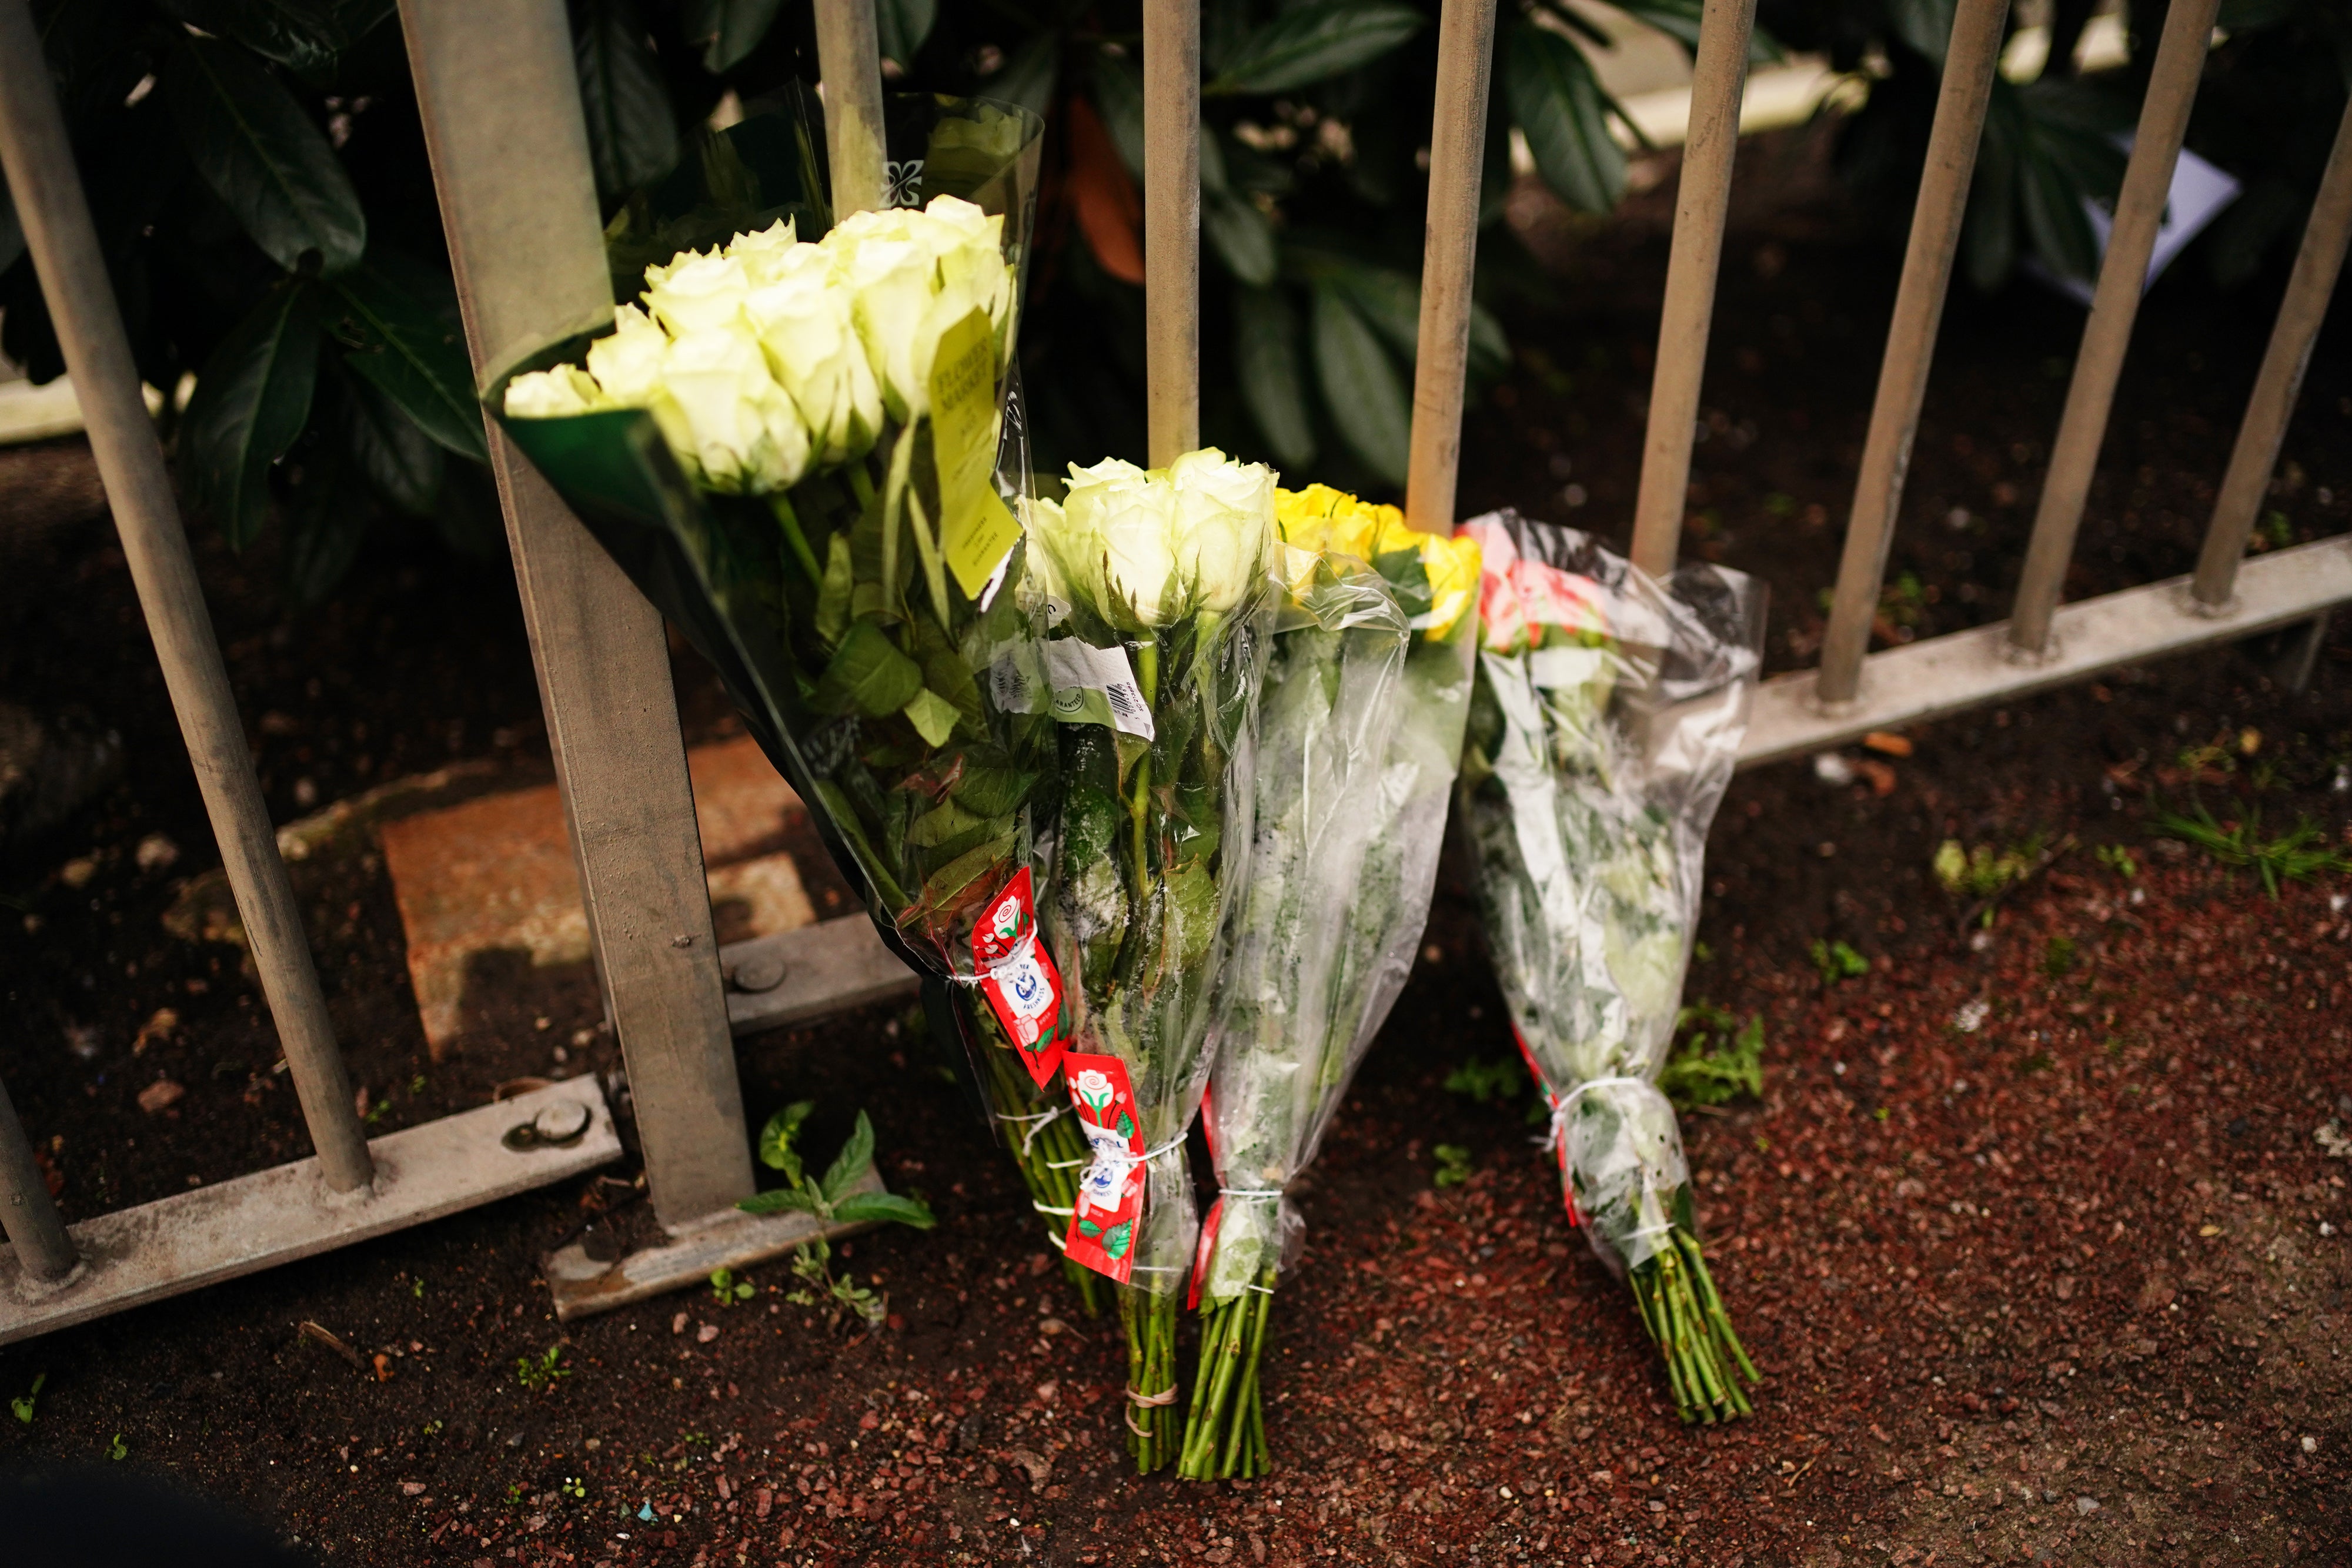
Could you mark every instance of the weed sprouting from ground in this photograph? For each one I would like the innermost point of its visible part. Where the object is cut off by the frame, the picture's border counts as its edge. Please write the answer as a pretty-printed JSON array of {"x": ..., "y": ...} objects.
[
  {"x": 1837, "y": 960},
  {"x": 2296, "y": 855},
  {"x": 1715, "y": 1059},
  {"x": 543, "y": 1371}
]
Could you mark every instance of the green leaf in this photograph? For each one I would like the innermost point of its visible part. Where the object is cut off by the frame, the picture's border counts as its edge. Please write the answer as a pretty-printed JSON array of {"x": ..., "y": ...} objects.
[
  {"x": 1027, "y": 76},
  {"x": 252, "y": 399},
  {"x": 1679, "y": 19},
  {"x": 1564, "y": 113},
  {"x": 1311, "y": 42},
  {"x": 1360, "y": 387},
  {"x": 902, "y": 26},
  {"x": 777, "y": 1137},
  {"x": 307, "y": 35},
  {"x": 632, "y": 133},
  {"x": 779, "y": 1200},
  {"x": 326, "y": 518},
  {"x": 386, "y": 447},
  {"x": 1274, "y": 382},
  {"x": 1925, "y": 25},
  {"x": 885, "y": 1209},
  {"x": 1243, "y": 240},
  {"x": 727, "y": 30},
  {"x": 1118, "y": 96},
  {"x": 940, "y": 823},
  {"x": 868, "y": 674},
  {"x": 399, "y": 325},
  {"x": 833, "y": 596},
  {"x": 850, "y": 1165},
  {"x": 1387, "y": 300},
  {"x": 270, "y": 166},
  {"x": 988, "y": 792}
]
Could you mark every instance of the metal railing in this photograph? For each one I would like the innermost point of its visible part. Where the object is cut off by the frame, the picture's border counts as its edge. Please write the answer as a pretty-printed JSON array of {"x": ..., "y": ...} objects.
[{"x": 502, "y": 119}]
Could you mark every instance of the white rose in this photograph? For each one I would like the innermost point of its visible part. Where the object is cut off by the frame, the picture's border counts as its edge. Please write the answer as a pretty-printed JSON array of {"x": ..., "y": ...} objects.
[
  {"x": 1125, "y": 519},
  {"x": 553, "y": 394},
  {"x": 697, "y": 293},
  {"x": 915, "y": 275},
  {"x": 628, "y": 363},
  {"x": 803, "y": 320},
  {"x": 1224, "y": 520},
  {"x": 743, "y": 431},
  {"x": 892, "y": 284},
  {"x": 762, "y": 253}
]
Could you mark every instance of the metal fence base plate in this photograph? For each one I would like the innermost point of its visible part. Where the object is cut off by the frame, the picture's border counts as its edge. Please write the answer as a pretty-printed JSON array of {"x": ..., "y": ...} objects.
[
  {"x": 584, "y": 1287},
  {"x": 795, "y": 975},
  {"x": 1973, "y": 669},
  {"x": 195, "y": 1239}
]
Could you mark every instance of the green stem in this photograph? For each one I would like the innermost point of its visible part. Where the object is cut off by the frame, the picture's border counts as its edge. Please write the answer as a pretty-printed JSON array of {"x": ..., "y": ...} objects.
[
  {"x": 790, "y": 521},
  {"x": 1240, "y": 1458},
  {"x": 861, "y": 483},
  {"x": 894, "y": 491},
  {"x": 935, "y": 575}
]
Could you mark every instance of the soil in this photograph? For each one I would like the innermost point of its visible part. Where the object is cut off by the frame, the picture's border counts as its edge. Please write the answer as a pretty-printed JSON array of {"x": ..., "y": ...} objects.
[{"x": 2032, "y": 1231}]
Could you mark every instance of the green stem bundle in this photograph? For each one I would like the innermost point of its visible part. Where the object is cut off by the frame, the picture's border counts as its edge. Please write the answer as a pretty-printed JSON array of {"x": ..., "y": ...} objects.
[
  {"x": 1150, "y": 1320},
  {"x": 1051, "y": 1155},
  {"x": 1680, "y": 1307},
  {"x": 1225, "y": 1431}
]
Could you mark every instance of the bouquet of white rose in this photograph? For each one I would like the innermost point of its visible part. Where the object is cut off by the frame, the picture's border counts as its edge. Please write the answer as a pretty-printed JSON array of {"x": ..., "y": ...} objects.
[
  {"x": 1156, "y": 585},
  {"x": 1606, "y": 722},
  {"x": 1359, "y": 728},
  {"x": 792, "y": 441}
]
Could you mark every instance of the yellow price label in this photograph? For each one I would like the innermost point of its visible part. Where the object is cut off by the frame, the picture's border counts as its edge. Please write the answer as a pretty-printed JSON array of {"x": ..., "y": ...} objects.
[{"x": 977, "y": 530}]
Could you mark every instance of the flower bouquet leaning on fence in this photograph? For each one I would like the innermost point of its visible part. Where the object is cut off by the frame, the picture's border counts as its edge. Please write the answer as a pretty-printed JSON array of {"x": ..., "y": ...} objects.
[
  {"x": 1360, "y": 722},
  {"x": 791, "y": 441},
  {"x": 1607, "y": 718},
  {"x": 1155, "y": 582}
]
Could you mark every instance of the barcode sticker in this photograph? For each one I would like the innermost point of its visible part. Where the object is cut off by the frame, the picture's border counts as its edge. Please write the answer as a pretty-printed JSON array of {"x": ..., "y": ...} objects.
[{"x": 1097, "y": 685}]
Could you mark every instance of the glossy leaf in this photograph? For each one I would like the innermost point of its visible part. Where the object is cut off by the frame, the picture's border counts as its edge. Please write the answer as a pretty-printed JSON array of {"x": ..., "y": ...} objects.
[
  {"x": 778, "y": 1137},
  {"x": 1027, "y": 77},
  {"x": 1241, "y": 235},
  {"x": 632, "y": 133},
  {"x": 398, "y": 323},
  {"x": 727, "y": 30},
  {"x": 1311, "y": 42},
  {"x": 307, "y": 35},
  {"x": 1274, "y": 381},
  {"x": 868, "y": 674},
  {"x": 1562, "y": 110},
  {"x": 850, "y": 1165},
  {"x": 252, "y": 399},
  {"x": 1679, "y": 19},
  {"x": 902, "y": 26},
  {"x": 779, "y": 1200},
  {"x": 326, "y": 516},
  {"x": 884, "y": 1208},
  {"x": 1360, "y": 386},
  {"x": 388, "y": 449},
  {"x": 262, "y": 155},
  {"x": 1118, "y": 96}
]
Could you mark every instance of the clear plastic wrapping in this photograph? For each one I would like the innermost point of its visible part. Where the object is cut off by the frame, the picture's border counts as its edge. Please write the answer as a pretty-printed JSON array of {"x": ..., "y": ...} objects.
[{"x": 1606, "y": 723}]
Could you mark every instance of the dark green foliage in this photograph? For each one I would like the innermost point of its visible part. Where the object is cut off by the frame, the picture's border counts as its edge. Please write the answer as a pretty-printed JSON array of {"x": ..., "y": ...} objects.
[{"x": 1715, "y": 1058}]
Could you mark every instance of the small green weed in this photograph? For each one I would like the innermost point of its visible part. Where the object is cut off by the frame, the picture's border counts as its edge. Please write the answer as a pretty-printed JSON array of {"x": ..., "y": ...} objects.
[
  {"x": 2277, "y": 529},
  {"x": 727, "y": 1290},
  {"x": 23, "y": 1406},
  {"x": 514, "y": 1492},
  {"x": 1716, "y": 1058},
  {"x": 117, "y": 1449},
  {"x": 2118, "y": 860},
  {"x": 2296, "y": 855},
  {"x": 829, "y": 1199},
  {"x": 1452, "y": 1165},
  {"x": 575, "y": 1488},
  {"x": 2058, "y": 958},
  {"x": 1880, "y": 1114},
  {"x": 543, "y": 1371},
  {"x": 432, "y": 1428},
  {"x": 1837, "y": 961},
  {"x": 1486, "y": 1082}
]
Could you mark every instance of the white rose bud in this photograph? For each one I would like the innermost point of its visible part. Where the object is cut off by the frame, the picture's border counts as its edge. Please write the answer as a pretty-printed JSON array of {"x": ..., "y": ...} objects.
[
  {"x": 914, "y": 275},
  {"x": 804, "y": 319},
  {"x": 1125, "y": 519},
  {"x": 628, "y": 363},
  {"x": 553, "y": 394},
  {"x": 1224, "y": 518},
  {"x": 763, "y": 253},
  {"x": 697, "y": 293},
  {"x": 744, "y": 432}
]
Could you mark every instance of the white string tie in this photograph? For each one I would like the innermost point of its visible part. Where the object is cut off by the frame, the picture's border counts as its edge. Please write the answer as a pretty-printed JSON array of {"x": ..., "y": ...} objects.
[
  {"x": 1556, "y": 1137},
  {"x": 1038, "y": 1123}
]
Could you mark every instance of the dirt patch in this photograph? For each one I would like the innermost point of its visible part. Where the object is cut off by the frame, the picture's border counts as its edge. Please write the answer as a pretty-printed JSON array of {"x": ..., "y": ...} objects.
[{"x": 2029, "y": 1217}]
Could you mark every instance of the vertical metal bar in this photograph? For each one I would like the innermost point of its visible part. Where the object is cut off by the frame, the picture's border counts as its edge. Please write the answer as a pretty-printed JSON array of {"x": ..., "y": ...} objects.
[
  {"x": 2316, "y": 265},
  {"x": 55, "y": 218},
  {"x": 1449, "y": 258},
  {"x": 1718, "y": 77},
  {"x": 2139, "y": 209},
  {"x": 1171, "y": 226},
  {"x": 28, "y": 1213},
  {"x": 849, "y": 58},
  {"x": 1969, "y": 60},
  {"x": 503, "y": 121}
]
